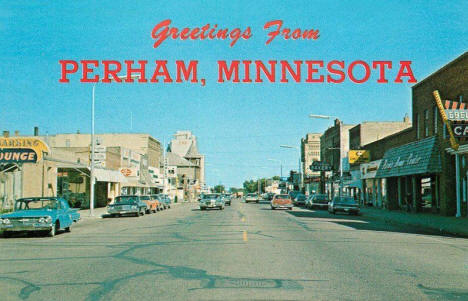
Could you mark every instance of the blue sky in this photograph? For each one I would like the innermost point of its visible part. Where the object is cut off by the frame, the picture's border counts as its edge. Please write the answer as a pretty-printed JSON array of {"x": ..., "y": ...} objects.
[{"x": 239, "y": 126}]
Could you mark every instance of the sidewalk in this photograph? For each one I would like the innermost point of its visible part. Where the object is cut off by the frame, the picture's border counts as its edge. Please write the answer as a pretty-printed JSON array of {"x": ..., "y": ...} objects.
[{"x": 442, "y": 224}]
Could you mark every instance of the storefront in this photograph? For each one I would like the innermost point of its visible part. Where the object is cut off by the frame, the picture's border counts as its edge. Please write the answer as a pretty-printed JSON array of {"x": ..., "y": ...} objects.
[
  {"x": 23, "y": 172},
  {"x": 371, "y": 187},
  {"x": 411, "y": 173}
]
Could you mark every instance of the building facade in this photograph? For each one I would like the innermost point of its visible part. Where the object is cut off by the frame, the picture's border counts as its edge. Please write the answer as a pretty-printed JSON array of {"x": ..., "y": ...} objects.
[
  {"x": 310, "y": 152},
  {"x": 421, "y": 169}
]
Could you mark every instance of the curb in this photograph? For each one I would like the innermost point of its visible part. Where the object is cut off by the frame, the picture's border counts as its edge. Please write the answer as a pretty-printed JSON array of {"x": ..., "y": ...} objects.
[{"x": 441, "y": 231}]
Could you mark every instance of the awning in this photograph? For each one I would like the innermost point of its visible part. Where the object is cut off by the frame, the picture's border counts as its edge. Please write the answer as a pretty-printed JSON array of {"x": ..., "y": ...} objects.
[
  {"x": 419, "y": 157},
  {"x": 108, "y": 175}
]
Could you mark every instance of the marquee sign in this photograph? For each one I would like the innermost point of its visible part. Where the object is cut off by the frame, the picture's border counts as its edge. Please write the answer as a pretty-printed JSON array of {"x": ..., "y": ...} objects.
[
  {"x": 22, "y": 150},
  {"x": 438, "y": 101}
]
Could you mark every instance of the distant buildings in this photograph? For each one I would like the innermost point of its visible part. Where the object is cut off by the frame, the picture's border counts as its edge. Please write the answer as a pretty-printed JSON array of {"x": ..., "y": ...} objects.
[
  {"x": 124, "y": 164},
  {"x": 310, "y": 152}
]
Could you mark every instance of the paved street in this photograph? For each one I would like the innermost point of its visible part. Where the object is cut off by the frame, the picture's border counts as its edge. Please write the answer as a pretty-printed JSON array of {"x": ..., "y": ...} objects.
[{"x": 246, "y": 252}]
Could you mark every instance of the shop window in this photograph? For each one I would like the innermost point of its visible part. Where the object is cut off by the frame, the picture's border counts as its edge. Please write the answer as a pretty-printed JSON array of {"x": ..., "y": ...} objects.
[
  {"x": 463, "y": 161},
  {"x": 445, "y": 131},
  {"x": 436, "y": 112},
  {"x": 464, "y": 189}
]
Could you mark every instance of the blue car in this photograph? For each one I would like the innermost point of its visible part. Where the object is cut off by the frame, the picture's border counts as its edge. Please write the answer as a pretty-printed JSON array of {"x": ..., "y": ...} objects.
[{"x": 43, "y": 214}]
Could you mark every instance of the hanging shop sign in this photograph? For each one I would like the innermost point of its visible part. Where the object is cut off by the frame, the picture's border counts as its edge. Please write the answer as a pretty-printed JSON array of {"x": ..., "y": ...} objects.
[
  {"x": 358, "y": 156},
  {"x": 22, "y": 150},
  {"x": 320, "y": 166},
  {"x": 441, "y": 108},
  {"x": 460, "y": 130}
]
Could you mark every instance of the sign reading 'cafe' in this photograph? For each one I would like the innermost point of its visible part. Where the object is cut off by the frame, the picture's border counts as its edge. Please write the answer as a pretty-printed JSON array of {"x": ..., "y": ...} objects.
[{"x": 21, "y": 150}]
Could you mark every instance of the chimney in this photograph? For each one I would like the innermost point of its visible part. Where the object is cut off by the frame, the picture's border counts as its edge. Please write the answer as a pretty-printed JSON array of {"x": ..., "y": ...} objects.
[
  {"x": 36, "y": 131},
  {"x": 6, "y": 134},
  {"x": 16, "y": 133}
]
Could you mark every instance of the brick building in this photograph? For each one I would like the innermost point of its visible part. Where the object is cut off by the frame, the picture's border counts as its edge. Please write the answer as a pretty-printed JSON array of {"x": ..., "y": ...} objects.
[{"x": 418, "y": 165}]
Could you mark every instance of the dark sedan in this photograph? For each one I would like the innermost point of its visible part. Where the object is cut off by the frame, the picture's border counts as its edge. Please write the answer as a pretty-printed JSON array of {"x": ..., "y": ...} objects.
[{"x": 344, "y": 204}]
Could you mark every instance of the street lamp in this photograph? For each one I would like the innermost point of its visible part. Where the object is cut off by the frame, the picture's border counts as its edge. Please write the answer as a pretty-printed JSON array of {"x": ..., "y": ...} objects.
[
  {"x": 91, "y": 176},
  {"x": 281, "y": 165},
  {"x": 299, "y": 166}
]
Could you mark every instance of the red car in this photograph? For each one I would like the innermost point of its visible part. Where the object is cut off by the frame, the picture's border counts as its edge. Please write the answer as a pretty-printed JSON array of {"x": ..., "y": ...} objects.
[{"x": 281, "y": 201}]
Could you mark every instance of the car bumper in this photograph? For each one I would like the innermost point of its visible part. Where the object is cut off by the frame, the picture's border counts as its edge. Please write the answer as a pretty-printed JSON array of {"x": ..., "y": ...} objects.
[
  {"x": 122, "y": 211},
  {"x": 21, "y": 228},
  {"x": 318, "y": 205},
  {"x": 346, "y": 209},
  {"x": 282, "y": 206},
  {"x": 211, "y": 206}
]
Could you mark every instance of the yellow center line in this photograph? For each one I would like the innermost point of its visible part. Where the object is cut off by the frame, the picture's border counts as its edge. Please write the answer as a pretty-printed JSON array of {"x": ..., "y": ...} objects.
[
  {"x": 243, "y": 219},
  {"x": 244, "y": 236}
]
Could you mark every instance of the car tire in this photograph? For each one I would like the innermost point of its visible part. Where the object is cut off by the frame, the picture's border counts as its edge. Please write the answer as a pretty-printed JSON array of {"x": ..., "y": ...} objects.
[
  {"x": 333, "y": 212},
  {"x": 68, "y": 229},
  {"x": 53, "y": 231},
  {"x": 272, "y": 208},
  {"x": 6, "y": 234}
]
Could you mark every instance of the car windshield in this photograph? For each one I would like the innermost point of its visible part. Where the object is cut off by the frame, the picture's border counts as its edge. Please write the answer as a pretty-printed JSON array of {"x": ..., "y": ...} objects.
[
  {"x": 321, "y": 197},
  {"x": 126, "y": 199},
  {"x": 282, "y": 196},
  {"x": 345, "y": 200},
  {"x": 145, "y": 198},
  {"x": 210, "y": 196},
  {"x": 251, "y": 194},
  {"x": 36, "y": 204}
]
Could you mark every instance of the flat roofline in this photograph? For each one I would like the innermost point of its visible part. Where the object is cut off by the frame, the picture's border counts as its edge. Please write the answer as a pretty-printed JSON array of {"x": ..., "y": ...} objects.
[{"x": 443, "y": 68}]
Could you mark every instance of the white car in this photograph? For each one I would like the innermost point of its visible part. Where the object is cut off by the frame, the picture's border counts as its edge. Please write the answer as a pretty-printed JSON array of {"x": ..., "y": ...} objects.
[{"x": 251, "y": 197}]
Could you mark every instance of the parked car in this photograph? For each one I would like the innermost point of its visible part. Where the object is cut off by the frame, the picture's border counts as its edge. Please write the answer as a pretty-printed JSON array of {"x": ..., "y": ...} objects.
[
  {"x": 151, "y": 203},
  {"x": 343, "y": 204},
  {"x": 211, "y": 200},
  {"x": 299, "y": 200},
  {"x": 45, "y": 214},
  {"x": 251, "y": 197},
  {"x": 318, "y": 201},
  {"x": 127, "y": 204},
  {"x": 227, "y": 198},
  {"x": 158, "y": 199},
  {"x": 281, "y": 201},
  {"x": 166, "y": 200}
]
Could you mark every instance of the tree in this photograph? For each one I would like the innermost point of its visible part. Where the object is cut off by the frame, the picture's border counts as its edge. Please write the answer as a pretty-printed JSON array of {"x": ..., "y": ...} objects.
[{"x": 218, "y": 189}]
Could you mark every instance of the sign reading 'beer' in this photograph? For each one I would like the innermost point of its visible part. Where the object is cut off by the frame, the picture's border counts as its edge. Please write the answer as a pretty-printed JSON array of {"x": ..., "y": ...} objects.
[{"x": 21, "y": 150}]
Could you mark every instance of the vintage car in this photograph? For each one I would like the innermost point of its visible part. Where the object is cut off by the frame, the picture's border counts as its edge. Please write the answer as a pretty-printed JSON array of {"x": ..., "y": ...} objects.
[
  {"x": 299, "y": 200},
  {"x": 251, "y": 197},
  {"x": 46, "y": 214},
  {"x": 166, "y": 200},
  {"x": 281, "y": 201},
  {"x": 211, "y": 200},
  {"x": 344, "y": 204},
  {"x": 159, "y": 199},
  {"x": 318, "y": 201},
  {"x": 127, "y": 204},
  {"x": 151, "y": 203},
  {"x": 227, "y": 198}
]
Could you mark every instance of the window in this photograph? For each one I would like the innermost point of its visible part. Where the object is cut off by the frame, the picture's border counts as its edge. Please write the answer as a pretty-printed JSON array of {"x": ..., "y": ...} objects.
[
  {"x": 436, "y": 112},
  {"x": 445, "y": 131},
  {"x": 417, "y": 125},
  {"x": 426, "y": 123}
]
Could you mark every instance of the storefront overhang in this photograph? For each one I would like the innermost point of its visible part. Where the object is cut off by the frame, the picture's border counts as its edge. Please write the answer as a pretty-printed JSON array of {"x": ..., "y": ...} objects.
[
  {"x": 419, "y": 157},
  {"x": 108, "y": 175}
]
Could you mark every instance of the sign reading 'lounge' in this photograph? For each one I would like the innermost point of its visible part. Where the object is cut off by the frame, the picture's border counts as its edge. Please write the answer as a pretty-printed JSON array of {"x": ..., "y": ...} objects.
[{"x": 21, "y": 150}]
